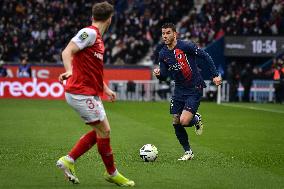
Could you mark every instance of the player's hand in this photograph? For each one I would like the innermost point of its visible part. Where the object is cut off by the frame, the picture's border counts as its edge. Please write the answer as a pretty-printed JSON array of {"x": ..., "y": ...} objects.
[
  {"x": 64, "y": 76},
  {"x": 156, "y": 72},
  {"x": 217, "y": 80},
  {"x": 111, "y": 94}
]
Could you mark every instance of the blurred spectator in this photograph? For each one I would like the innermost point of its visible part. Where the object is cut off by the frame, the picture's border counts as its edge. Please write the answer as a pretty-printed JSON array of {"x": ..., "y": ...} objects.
[
  {"x": 278, "y": 67},
  {"x": 246, "y": 80},
  {"x": 130, "y": 89},
  {"x": 142, "y": 91},
  {"x": 24, "y": 70},
  {"x": 233, "y": 78},
  {"x": 3, "y": 70}
]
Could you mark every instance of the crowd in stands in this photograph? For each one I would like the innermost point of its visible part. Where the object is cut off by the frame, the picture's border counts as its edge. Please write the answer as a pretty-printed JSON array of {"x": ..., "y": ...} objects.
[
  {"x": 40, "y": 29},
  {"x": 233, "y": 17},
  {"x": 137, "y": 27}
]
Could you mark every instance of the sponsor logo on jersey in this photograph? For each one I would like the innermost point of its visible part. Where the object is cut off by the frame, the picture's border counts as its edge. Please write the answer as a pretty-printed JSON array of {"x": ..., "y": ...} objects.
[
  {"x": 99, "y": 55},
  {"x": 174, "y": 67},
  {"x": 84, "y": 36}
]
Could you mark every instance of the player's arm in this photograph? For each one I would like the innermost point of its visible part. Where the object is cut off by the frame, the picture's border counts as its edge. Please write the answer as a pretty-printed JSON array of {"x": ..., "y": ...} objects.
[
  {"x": 110, "y": 93},
  {"x": 67, "y": 56},
  {"x": 193, "y": 49},
  {"x": 162, "y": 71},
  {"x": 84, "y": 38}
]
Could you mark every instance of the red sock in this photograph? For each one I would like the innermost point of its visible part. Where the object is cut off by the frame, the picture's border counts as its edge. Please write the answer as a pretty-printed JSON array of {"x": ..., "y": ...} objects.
[
  {"x": 86, "y": 142},
  {"x": 106, "y": 153}
]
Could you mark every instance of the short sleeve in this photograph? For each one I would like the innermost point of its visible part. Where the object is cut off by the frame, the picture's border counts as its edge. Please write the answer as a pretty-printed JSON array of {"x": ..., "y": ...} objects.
[{"x": 85, "y": 37}]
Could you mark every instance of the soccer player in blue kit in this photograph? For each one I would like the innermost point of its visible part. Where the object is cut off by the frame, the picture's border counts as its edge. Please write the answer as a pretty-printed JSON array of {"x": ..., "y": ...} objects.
[{"x": 178, "y": 61}]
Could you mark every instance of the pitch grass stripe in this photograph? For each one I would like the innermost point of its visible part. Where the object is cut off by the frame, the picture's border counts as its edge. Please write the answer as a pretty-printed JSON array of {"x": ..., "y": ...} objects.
[{"x": 254, "y": 108}]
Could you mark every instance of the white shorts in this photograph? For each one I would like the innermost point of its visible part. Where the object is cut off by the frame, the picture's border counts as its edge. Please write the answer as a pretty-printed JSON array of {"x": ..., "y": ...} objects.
[{"x": 90, "y": 108}]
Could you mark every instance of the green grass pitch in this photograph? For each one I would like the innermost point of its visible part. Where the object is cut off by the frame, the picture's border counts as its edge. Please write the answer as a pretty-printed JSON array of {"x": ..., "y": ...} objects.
[{"x": 242, "y": 146}]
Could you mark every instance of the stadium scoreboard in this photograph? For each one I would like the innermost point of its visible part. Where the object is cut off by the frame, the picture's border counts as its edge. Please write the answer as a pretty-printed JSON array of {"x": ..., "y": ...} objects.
[{"x": 253, "y": 46}]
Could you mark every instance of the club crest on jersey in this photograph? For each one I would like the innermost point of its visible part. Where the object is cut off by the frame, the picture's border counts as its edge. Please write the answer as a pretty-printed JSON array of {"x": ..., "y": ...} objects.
[
  {"x": 84, "y": 36},
  {"x": 179, "y": 56},
  {"x": 99, "y": 55}
]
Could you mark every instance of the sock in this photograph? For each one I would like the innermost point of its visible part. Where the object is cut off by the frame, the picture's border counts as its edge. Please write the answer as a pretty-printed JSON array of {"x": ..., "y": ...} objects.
[
  {"x": 194, "y": 120},
  {"x": 189, "y": 152},
  {"x": 115, "y": 173},
  {"x": 105, "y": 151},
  {"x": 70, "y": 159},
  {"x": 86, "y": 142},
  {"x": 182, "y": 136}
]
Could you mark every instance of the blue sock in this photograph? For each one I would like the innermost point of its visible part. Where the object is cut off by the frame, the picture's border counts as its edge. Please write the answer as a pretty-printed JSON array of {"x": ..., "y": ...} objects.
[
  {"x": 194, "y": 120},
  {"x": 182, "y": 136}
]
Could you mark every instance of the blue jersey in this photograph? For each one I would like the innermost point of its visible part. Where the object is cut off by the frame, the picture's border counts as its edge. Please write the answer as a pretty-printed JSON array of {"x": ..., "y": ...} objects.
[{"x": 180, "y": 64}]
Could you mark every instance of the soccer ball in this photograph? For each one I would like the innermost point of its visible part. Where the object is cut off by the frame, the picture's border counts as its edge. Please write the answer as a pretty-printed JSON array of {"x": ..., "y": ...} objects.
[{"x": 148, "y": 152}]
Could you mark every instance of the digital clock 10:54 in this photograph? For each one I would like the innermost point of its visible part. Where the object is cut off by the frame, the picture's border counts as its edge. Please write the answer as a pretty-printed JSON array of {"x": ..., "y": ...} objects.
[{"x": 264, "y": 46}]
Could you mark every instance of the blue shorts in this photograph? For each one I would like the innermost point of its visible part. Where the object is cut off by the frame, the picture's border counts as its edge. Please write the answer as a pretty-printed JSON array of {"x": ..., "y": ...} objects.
[{"x": 188, "y": 102}]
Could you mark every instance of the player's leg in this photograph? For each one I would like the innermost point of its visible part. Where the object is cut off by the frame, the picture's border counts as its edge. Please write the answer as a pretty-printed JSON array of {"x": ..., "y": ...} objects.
[
  {"x": 181, "y": 134},
  {"x": 80, "y": 104},
  {"x": 189, "y": 116},
  {"x": 188, "y": 120},
  {"x": 85, "y": 143},
  {"x": 104, "y": 148},
  {"x": 103, "y": 144},
  {"x": 86, "y": 106},
  {"x": 66, "y": 163},
  {"x": 182, "y": 138}
]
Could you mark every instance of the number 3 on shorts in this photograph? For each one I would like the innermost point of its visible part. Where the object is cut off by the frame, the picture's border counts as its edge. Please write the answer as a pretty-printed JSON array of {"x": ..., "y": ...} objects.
[{"x": 90, "y": 103}]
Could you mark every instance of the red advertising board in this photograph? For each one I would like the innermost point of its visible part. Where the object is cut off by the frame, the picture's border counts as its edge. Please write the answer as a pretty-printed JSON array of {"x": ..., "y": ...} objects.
[
  {"x": 45, "y": 85},
  {"x": 127, "y": 74},
  {"x": 31, "y": 88},
  {"x": 110, "y": 73}
]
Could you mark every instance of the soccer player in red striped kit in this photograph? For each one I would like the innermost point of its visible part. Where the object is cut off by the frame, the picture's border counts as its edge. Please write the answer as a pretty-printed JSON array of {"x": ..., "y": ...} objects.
[{"x": 83, "y": 62}]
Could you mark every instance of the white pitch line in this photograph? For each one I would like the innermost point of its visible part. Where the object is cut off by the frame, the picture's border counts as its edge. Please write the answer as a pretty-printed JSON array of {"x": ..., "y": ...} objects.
[{"x": 254, "y": 108}]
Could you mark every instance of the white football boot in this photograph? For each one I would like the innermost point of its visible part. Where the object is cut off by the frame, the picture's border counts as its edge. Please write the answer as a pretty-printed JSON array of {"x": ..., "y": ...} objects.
[{"x": 188, "y": 155}]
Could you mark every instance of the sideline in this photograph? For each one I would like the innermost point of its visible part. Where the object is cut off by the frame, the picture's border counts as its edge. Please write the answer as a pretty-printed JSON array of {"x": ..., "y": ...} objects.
[{"x": 253, "y": 108}]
